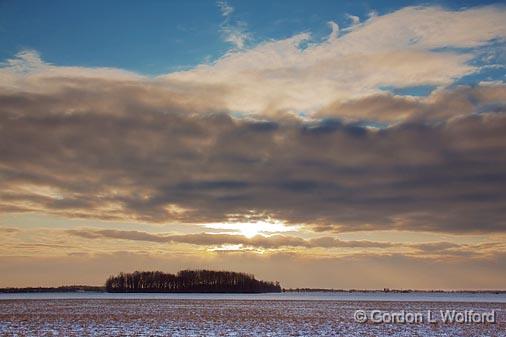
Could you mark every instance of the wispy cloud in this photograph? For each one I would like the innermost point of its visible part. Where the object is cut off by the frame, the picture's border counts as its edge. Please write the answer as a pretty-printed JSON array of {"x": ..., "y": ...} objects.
[
  {"x": 410, "y": 47},
  {"x": 233, "y": 31},
  {"x": 442, "y": 249},
  {"x": 334, "y": 30},
  {"x": 354, "y": 22},
  {"x": 206, "y": 239},
  {"x": 225, "y": 8}
]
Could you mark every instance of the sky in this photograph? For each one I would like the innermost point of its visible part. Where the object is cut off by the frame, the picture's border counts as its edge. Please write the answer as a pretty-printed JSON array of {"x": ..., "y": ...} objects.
[{"x": 330, "y": 144}]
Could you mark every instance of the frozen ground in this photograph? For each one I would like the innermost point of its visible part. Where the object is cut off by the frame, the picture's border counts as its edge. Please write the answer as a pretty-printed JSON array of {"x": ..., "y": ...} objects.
[{"x": 229, "y": 317}]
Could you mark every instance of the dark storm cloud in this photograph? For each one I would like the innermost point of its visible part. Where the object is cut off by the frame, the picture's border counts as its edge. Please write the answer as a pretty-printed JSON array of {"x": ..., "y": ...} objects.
[{"x": 137, "y": 151}]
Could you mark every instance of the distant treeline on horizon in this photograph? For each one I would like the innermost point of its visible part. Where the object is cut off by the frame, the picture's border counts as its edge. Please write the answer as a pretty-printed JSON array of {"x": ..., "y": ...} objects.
[
  {"x": 189, "y": 281},
  {"x": 87, "y": 288},
  {"x": 387, "y": 290},
  {"x": 61, "y": 289}
]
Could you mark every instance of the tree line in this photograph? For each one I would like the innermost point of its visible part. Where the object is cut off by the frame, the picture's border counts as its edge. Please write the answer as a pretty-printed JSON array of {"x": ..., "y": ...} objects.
[
  {"x": 61, "y": 289},
  {"x": 201, "y": 281}
]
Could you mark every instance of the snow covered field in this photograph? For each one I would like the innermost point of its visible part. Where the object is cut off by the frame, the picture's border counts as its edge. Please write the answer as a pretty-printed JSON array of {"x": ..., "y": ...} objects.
[{"x": 228, "y": 317}]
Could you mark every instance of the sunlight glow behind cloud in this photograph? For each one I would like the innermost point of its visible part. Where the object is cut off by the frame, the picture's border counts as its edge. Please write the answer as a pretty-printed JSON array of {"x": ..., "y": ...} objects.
[{"x": 250, "y": 229}]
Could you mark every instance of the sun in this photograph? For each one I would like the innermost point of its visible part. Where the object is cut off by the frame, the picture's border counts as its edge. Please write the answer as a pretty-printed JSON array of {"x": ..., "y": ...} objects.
[
  {"x": 249, "y": 230},
  {"x": 253, "y": 228}
]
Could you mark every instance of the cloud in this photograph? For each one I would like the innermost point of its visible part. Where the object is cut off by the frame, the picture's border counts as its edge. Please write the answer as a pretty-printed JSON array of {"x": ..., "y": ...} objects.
[
  {"x": 334, "y": 33},
  {"x": 226, "y": 140},
  {"x": 410, "y": 47},
  {"x": 233, "y": 31},
  {"x": 225, "y": 8},
  {"x": 441, "y": 105},
  {"x": 237, "y": 34},
  {"x": 355, "y": 22},
  {"x": 27, "y": 72},
  {"x": 280, "y": 243},
  {"x": 206, "y": 239},
  {"x": 138, "y": 150}
]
